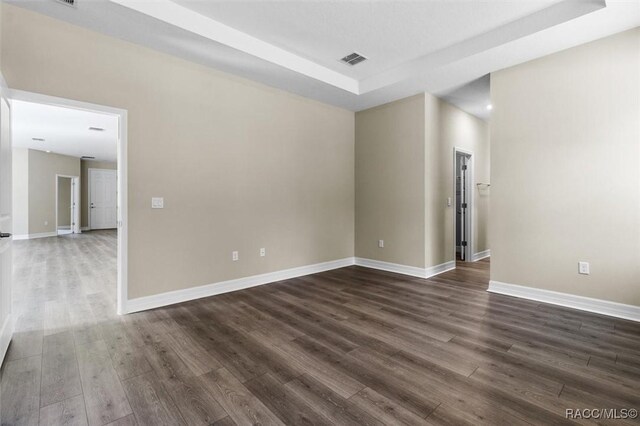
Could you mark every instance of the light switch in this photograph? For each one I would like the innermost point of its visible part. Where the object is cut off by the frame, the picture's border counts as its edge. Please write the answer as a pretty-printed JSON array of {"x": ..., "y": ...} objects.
[
  {"x": 448, "y": 201},
  {"x": 157, "y": 203},
  {"x": 583, "y": 268}
]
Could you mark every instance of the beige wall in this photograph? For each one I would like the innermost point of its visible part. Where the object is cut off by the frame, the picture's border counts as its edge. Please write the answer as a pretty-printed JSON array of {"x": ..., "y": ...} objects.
[
  {"x": 240, "y": 165},
  {"x": 565, "y": 160},
  {"x": 404, "y": 175},
  {"x": 43, "y": 168},
  {"x": 64, "y": 202},
  {"x": 20, "y": 193},
  {"x": 390, "y": 184},
  {"x": 449, "y": 127},
  {"x": 85, "y": 165}
]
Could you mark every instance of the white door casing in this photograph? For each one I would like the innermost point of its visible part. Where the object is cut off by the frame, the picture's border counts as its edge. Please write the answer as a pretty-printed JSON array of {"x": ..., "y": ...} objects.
[
  {"x": 102, "y": 199},
  {"x": 6, "y": 317}
]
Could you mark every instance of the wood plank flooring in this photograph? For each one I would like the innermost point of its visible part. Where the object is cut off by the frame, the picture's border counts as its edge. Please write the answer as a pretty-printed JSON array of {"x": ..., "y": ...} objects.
[{"x": 352, "y": 346}]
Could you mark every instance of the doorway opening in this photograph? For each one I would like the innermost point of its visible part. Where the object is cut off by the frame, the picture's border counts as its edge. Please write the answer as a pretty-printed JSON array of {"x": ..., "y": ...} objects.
[
  {"x": 73, "y": 154},
  {"x": 463, "y": 181},
  {"x": 67, "y": 204}
]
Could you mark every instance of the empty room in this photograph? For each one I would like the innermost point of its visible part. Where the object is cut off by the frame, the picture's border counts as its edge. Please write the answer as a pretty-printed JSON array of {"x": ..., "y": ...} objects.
[{"x": 319, "y": 212}]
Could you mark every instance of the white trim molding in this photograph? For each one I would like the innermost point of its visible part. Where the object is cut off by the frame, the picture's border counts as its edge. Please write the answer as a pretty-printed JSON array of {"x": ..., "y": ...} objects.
[
  {"x": 192, "y": 293},
  {"x": 481, "y": 255},
  {"x": 597, "y": 306},
  {"x": 5, "y": 336},
  {"x": 405, "y": 269},
  {"x": 179, "y": 296},
  {"x": 33, "y": 236}
]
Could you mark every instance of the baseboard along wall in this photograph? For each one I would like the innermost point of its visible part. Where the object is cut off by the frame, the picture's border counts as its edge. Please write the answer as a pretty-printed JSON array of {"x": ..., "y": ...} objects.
[
  {"x": 192, "y": 293},
  {"x": 596, "y": 306}
]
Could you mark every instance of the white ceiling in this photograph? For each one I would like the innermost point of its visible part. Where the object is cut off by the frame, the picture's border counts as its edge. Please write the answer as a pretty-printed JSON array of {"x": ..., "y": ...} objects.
[
  {"x": 64, "y": 130},
  {"x": 438, "y": 46},
  {"x": 389, "y": 33}
]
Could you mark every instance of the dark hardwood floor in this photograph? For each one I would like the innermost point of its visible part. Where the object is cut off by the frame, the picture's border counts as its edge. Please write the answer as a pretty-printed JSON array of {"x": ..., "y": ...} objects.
[{"x": 349, "y": 346}]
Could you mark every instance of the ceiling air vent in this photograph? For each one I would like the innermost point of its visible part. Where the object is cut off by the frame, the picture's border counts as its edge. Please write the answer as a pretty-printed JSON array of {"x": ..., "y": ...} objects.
[
  {"x": 67, "y": 2},
  {"x": 86, "y": 157},
  {"x": 353, "y": 59}
]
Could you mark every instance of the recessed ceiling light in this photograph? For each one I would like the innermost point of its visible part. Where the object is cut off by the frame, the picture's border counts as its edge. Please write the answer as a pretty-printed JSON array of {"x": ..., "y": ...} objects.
[
  {"x": 48, "y": 151},
  {"x": 37, "y": 139},
  {"x": 96, "y": 129},
  {"x": 489, "y": 107}
]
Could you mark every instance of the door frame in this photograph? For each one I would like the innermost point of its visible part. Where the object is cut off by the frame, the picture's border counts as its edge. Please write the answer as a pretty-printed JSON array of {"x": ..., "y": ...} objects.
[
  {"x": 122, "y": 208},
  {"x": 75, "y": 195},
  {"x": 470, "y": 196},
  {"x": 6, "y": 244},
  {"x": 89, "y": 173}
]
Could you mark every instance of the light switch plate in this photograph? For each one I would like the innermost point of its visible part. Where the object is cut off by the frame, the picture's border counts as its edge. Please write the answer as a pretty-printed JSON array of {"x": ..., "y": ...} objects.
[
  {"x": 583, "y": 268},
  {"x": 157, "y": 203}
]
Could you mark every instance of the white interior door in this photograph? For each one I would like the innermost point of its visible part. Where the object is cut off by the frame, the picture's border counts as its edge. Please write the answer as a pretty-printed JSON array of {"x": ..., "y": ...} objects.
[
  {"x": 102, "y": 199},
  {"x": 6, "y": 320}
]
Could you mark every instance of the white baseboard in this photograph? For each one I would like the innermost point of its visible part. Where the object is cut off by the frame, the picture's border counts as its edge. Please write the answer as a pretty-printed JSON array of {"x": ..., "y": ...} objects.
[
  {"x": 178, "y": 296},
  {"x": 5, "y": 336},
  {"x": 33, "y": 236},
  {"x": 404, "y": 269},
  {"x": 481, "y": 255},
  {"x": 598, "y": 306},
  {"x": 84, "y": 228},
  {"x": 64, "y": 231}
]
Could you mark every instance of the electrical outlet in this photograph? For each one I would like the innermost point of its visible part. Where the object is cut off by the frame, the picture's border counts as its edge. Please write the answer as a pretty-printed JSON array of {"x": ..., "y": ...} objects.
[
  {"x": 381, "y": 243},
  {"x": 263, "y": 252},
  {"x": 583, "y": 268},
  {"x": 157, "y": 203},
  {"x": 234, "y": 256}
]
